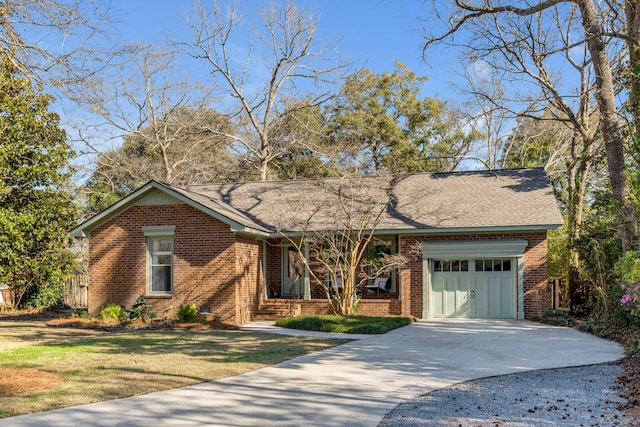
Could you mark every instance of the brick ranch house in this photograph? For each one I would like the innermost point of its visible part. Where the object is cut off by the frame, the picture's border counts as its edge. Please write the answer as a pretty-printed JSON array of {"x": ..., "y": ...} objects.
[{"x": 475, "y": 245}]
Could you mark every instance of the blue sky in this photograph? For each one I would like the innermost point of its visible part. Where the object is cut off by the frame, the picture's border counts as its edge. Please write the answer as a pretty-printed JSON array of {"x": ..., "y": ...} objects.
[
  {"x": 367, "y": 33},
  {"x": 371, "y": 33}
]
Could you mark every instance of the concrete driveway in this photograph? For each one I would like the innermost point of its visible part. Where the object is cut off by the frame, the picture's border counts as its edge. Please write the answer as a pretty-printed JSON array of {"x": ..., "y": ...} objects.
[{"x": 354, "y": 384}]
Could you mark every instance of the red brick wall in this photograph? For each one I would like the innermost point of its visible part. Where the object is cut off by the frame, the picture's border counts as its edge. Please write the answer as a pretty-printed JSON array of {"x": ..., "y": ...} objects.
[
  {"x": 536, "y": 294},
  {"x": 382, "y": 307},
  {"x": 216, "y": 269},
  {"x": 536, "y": 297},
  {"x": 205, "y": 267},
  {"x": 249, "y": 278}
]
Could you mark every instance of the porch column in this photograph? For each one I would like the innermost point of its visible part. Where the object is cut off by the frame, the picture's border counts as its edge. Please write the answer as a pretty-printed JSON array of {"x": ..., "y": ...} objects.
[
  {"x": 306, "y": 281},
  {"x": 265, "y": 293},
  {"x": 426, "y": 286}
]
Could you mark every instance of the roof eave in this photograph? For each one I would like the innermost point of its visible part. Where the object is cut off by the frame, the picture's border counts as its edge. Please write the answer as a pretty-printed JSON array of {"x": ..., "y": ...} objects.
[
  {"x": 440, "y": 231},
  {"x": 85, "y": 229},
  {"x": 480, "y": 230}
]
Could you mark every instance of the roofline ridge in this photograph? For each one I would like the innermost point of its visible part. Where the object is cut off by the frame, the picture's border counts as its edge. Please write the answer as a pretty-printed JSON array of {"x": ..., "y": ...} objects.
[{"x": 188, "y": 187}]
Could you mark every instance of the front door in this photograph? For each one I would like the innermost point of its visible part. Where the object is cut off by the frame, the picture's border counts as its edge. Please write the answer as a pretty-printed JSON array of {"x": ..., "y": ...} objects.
[{"x": 292, "y": 269}]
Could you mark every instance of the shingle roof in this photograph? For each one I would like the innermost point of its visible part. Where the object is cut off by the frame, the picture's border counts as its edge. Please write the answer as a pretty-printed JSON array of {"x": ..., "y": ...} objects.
[{"x": 427, "y": 201}]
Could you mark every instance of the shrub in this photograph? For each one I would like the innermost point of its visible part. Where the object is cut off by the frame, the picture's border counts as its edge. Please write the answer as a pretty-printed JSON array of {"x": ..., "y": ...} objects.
[
  {"x": 81, "y": 313},
  {"x": 345, "y": 324},
  {"x": 187, "y": 313},
  {"x": 628, "y": 269},
  {"x": 112, "y": 311},
  {"x": 141, "y": 310},
  {"x": 557, "y": 318},
  {"x": 631, "y": 298},
  {"x": 46, "y": 296}
]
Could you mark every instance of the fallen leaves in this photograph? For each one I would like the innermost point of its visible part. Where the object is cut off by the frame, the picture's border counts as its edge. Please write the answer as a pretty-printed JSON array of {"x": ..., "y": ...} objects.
[{"x": 24, "y": 381}]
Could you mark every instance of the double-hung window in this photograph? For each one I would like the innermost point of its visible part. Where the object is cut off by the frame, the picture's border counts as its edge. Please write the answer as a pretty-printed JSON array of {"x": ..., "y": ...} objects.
[{"x": 159, "y": 259}]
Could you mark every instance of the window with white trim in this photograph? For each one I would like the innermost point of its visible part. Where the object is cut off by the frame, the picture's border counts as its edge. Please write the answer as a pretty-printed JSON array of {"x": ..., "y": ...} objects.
[{"x": 159, "y": 259}]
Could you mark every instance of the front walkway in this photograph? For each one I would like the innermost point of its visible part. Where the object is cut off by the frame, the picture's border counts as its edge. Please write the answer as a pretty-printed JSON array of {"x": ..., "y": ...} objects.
[{"x": 354, "y": 384}]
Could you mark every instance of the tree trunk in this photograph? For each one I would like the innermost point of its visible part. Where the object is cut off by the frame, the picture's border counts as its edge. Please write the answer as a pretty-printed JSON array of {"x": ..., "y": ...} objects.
[
  {"x": 605, "y": 96},
  {"x": 633, "y": 27},
  {"x": 264, "y": 170}
]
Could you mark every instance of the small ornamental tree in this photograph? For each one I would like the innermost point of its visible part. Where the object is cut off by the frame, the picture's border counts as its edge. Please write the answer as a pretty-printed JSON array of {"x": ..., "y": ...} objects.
[
  {"x": 628, "y": 269},
  {"x": 36, "y": 212},
  {"x": 339, "y": 237}
]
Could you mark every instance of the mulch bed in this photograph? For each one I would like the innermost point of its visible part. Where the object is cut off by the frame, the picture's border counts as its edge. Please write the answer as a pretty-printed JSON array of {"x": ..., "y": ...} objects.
[
  {"x": 23, "y": 381},
  {"x": 112, "y": 324},
  {"x": 630, "y": 383}
]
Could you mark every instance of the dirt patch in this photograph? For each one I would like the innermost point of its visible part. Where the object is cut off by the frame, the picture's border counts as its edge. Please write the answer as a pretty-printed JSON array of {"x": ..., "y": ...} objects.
[{"x": 24, "y": 381}]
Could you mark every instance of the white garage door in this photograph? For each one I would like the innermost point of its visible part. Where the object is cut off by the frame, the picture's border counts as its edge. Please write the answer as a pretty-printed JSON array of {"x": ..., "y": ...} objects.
[{"x": 474, "y": 288}]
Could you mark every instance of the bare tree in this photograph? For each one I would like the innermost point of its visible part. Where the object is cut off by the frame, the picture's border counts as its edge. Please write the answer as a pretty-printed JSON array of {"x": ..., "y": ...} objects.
[
  {"x": 340, "y": 239},
  {"x": 166, "y": 125},
  {"x": 484, "y": 86},
  {"x": 285, "y": 64},
  {"x": 62, "y": 45},
  {"x": 506, "y": 28}
]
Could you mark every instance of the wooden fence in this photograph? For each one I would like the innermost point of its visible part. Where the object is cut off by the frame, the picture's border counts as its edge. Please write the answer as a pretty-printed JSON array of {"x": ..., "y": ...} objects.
[
  {"x": 77, "y": 289},
  {"x": 557, "y": 287}
]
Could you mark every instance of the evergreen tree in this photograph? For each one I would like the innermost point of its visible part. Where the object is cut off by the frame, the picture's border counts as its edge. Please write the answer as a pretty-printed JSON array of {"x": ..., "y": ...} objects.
[{"x": 36, "y": 210}]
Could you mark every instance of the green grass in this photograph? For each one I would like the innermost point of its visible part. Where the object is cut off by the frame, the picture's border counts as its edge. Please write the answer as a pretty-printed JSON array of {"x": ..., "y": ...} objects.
[
  {"x": 102, "y": 365},
  {"x": 344, "y": 324}
]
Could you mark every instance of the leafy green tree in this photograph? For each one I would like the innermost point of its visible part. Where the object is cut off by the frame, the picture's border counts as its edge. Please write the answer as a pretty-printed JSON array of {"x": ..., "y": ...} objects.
[
  {"x": 384, "y": 125},
  {"x": 306, "y": 152},
  {"x": 36, "y": 210}
]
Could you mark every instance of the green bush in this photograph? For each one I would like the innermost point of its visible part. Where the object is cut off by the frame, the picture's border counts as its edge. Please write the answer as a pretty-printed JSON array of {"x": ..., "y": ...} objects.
[
  {"x": 628, "y": 268},
  {"x": 141, "y": 310},
  {"x": 81, "y": 313},
  {"x": 46, "y": 296},
  {"x": 557, "y": 318},
  {"x": 112, "y": 311},
  {"x": 345, "y": 324},
  {"x": 187, "y": 313},
  {"x": 372, "y": 329}
]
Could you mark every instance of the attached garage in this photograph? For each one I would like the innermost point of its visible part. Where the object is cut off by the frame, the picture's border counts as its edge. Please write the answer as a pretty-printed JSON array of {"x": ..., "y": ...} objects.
[{"x": 473, "y": 279}]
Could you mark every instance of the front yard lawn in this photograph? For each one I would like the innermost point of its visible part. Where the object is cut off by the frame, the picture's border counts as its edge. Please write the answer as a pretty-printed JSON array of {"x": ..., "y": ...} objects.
[
  {"x": 79, "y": 366},
  {"x": 344, "y": 324}
]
